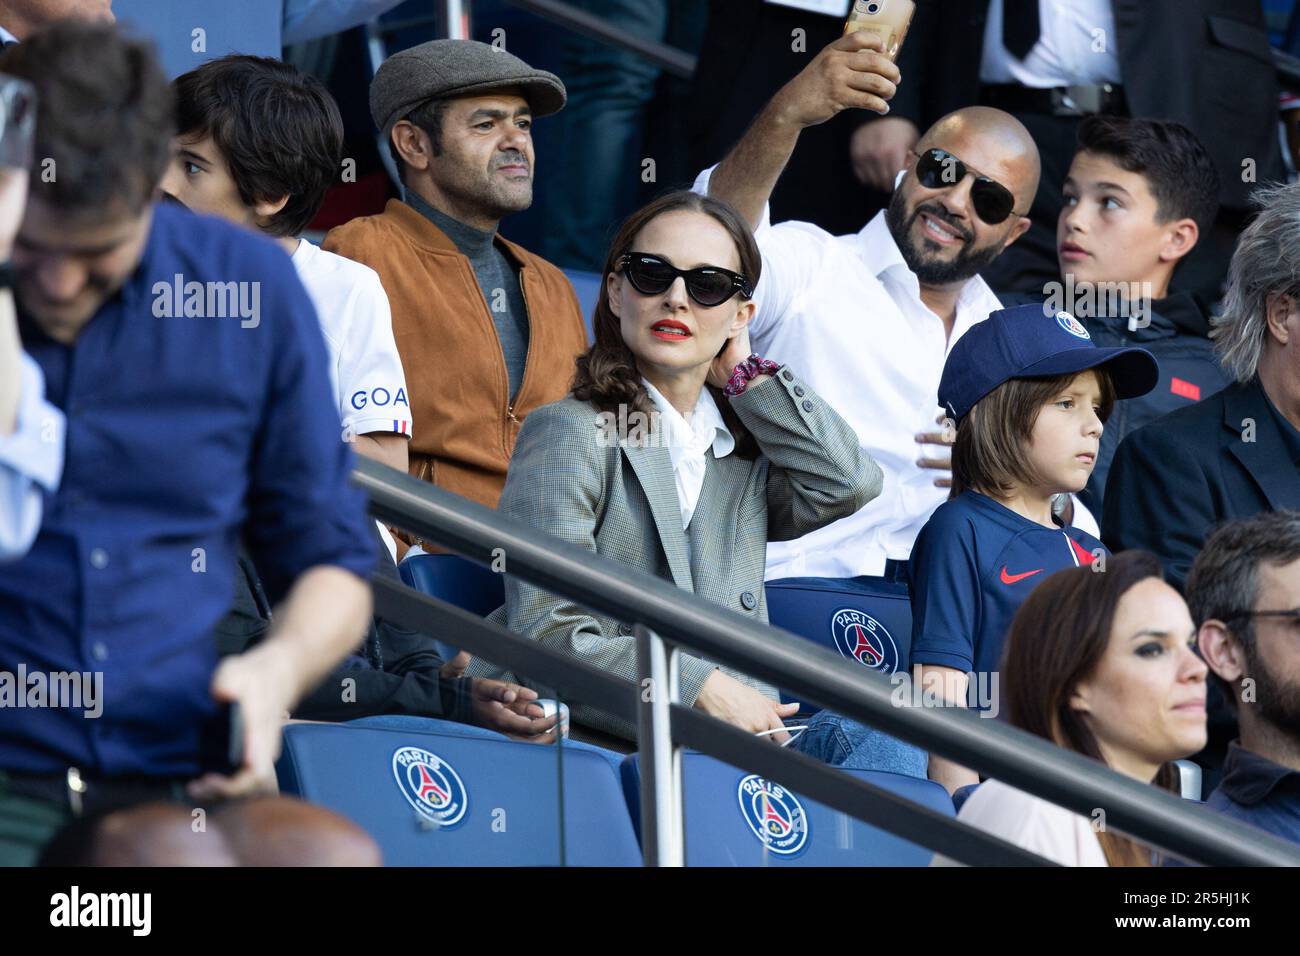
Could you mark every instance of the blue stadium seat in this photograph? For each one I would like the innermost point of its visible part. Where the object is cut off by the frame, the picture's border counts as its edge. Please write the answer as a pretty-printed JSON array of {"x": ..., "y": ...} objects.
[
  {"x": 443, "y": 799},
  {"x": 457, "y": 581},
  {"x": 869, "y": 624},
  {"x": 588, "y": 286},
  {"x": 726, "y": 817}
]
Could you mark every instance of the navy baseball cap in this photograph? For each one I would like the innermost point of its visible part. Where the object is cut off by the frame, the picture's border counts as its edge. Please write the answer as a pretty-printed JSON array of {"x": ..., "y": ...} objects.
[{"x": 1029, "y": 341}]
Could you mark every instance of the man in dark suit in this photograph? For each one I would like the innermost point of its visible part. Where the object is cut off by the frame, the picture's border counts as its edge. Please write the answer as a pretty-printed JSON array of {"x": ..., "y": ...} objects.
[
  {"x": 1237, "y": 453},
  {"x": 1051, "y": 64}
]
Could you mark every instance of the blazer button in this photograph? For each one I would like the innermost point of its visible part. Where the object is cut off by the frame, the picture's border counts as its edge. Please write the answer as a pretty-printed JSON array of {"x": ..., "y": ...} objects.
[
  {"x": 625, "y": 629},
  {"x": 788, "y": 375},
  {"x": 748, "y": 601},
  {"x": 798, "y": 391},
  {"x": 807, "y": 406}
]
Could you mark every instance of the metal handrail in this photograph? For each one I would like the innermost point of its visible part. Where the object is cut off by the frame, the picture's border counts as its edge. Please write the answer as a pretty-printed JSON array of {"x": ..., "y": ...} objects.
[
  {"x": 992, "y": 747},
  {"x": 573, "y": 679}
]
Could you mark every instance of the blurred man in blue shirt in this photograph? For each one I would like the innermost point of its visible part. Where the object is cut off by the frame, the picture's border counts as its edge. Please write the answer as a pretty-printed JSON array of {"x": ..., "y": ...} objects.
[
  {"x": 1244, "y": 593},
  {"x": 189, "y": 363}
]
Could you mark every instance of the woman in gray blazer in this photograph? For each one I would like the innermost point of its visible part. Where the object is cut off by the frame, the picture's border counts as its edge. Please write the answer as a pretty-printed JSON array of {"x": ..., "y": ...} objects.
[{"x": 678, "y": 453}]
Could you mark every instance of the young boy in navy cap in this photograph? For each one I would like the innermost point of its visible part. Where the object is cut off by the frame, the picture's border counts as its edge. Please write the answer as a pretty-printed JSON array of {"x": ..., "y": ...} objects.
[{"x": 1029, "y": 392}]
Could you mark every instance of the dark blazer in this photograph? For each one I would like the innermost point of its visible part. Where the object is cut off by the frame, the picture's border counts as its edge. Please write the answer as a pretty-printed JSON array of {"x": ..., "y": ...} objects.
[
  {"x": 1175, "y": 479},
  {"x": 1204, "y": 63}
]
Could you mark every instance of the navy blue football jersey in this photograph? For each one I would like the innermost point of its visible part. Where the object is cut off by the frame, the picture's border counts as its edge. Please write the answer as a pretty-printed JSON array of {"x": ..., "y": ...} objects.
[{"x": 974, "y": 563}]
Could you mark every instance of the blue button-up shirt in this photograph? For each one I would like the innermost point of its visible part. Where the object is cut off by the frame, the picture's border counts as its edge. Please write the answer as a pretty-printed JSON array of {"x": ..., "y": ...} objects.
[
  {"x": 184, "y": 432},
  {"x": 1259, "y": 792}
]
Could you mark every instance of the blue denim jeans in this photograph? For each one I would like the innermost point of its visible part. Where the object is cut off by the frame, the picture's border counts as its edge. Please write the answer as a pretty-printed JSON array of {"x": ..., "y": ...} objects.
[{"x": 842, "y": 742}]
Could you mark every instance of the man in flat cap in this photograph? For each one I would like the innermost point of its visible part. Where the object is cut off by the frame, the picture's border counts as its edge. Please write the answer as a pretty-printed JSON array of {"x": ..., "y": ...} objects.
[{"x": 486, "y": 330}]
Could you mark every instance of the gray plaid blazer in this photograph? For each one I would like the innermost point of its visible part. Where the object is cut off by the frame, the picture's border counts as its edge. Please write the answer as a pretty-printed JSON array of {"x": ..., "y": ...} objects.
[{"x": 620, "y": 501}]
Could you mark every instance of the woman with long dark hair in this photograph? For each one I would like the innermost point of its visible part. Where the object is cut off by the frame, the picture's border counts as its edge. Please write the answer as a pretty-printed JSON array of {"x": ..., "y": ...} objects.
[
  {"x": 1100, "y": 662},
  {"x": 679, "y": 453}
]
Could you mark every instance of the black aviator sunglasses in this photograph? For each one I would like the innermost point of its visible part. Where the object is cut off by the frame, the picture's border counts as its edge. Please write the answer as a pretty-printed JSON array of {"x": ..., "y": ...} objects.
[
  {"x": 940, "y": 169},
  {"x": 707, "y": 285}
]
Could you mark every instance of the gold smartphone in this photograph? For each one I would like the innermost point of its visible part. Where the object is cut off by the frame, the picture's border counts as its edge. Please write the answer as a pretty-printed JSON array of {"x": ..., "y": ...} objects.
[{"x": 887, "y": 19}]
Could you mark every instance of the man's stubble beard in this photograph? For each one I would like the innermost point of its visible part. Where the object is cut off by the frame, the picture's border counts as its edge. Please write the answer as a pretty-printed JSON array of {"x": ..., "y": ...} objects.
[
  {"x": 489, "y": 197},
  {"x": 1278, "y": 703}
]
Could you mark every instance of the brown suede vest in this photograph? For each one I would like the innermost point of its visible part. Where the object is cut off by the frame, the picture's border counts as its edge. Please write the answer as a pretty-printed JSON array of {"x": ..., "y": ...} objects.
[{"x": 463, "y": 422}]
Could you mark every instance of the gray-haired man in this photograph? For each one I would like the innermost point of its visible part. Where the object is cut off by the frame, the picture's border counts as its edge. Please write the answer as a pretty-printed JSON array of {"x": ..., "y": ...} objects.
[
  {"x": 1244, "y": 592},
  {"x": 1238, "y": 452}
]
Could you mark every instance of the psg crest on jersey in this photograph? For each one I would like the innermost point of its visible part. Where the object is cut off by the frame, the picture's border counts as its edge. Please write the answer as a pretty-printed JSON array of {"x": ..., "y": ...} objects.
[
  {"x": 862, "y": 638},
  {"x": 774, "y": 814},
  {"x": 431, "y": 786}
]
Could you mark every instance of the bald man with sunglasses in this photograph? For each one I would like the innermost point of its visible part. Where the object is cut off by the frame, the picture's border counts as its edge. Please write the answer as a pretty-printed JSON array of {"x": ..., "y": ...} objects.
[{"x": 871, "y": 316}]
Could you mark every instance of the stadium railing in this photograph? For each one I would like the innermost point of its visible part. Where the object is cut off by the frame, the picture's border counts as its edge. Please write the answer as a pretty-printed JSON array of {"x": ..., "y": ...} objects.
[{"x": 666, "y": 620}]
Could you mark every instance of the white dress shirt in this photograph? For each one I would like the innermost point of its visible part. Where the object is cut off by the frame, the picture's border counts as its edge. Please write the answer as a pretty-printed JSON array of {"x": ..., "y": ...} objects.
[
  {"x": 1077, "y": 46},
  {"x": 846, "y": 313},
  {"x": 31, "y": 459},
  {"x": 1032, "y": 824},
  {"x": 688, "y": 441},
  {"x": 365, "y": 368}
]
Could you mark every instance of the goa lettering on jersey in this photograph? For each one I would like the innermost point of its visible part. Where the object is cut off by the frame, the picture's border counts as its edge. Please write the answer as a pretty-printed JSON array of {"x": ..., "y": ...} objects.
[
  {"x": 379, "y": 397},
  {"x": 431, "y": 786},
  {"x": 774, "y": 815},
  {"x": 860, "y": 637}
]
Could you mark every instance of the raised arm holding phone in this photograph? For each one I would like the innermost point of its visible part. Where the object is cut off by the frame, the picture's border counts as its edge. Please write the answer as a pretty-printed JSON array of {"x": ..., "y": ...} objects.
[{"x": 850, "y": 73}]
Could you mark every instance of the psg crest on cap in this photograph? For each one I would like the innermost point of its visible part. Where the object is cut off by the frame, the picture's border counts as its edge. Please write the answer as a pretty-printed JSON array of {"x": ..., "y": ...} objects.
[
  {"x": 862, "y": 638},
  {"x": 1072, "y": 325},
  {"x": 431, "y": 786},
  {"x": 774, "y": 814}
]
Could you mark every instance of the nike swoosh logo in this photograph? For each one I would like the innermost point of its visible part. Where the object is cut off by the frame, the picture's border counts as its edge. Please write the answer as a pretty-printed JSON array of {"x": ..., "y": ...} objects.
[{"x": 1013, "y": 578}]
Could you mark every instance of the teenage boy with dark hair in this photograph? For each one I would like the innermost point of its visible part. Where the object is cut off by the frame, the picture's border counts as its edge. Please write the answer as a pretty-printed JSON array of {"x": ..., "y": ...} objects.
[
  {"x": 259, "y": 143},
  {"x": 185, "y": 432},
  {"x": 1138, "y": 195}
]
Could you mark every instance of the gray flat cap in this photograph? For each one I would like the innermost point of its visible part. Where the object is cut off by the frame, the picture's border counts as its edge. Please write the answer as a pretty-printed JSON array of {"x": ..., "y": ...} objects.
[{"x": 455, "y": 68}]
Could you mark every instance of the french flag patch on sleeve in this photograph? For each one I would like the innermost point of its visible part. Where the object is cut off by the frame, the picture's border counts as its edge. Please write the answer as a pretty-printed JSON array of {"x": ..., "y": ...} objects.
[
  {"x": 401, "y": 427},
  {"x": 1185, "y": 389}
]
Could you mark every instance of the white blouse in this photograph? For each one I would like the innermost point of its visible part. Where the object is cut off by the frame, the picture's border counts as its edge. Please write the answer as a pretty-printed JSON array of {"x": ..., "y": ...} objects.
[
  {"x": 688, "y": 441},
  {"x": 1032, "y": 824}
]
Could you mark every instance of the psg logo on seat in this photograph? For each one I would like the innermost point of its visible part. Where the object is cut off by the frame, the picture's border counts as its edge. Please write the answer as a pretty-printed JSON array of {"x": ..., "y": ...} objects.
[
  {"x": 774, "y": 814},
  {"x": 431, "y": 786},
  {"x": 860, "y": 637}
]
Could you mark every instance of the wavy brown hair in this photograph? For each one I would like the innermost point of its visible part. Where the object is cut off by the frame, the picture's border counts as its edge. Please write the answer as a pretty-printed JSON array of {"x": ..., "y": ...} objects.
[
  {"x": 989, "y": 454},
  {"x": 1056, "y": 641},
  {"x": 607, "y": 375}
]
